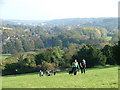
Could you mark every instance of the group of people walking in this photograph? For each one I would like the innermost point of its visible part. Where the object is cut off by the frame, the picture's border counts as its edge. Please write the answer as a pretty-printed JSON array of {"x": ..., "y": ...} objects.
[{"x": 76, "y": 66}]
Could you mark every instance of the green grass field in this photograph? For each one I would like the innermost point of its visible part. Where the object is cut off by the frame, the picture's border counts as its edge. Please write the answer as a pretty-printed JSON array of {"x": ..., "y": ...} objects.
[
  {"x": 103, "y": 77},
  {"x": 4, "y": 56}
]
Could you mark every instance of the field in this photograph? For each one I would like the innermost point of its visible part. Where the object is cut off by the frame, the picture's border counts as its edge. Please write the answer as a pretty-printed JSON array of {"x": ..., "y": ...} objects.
[
  {"x": 100, "y": 77},
  {"x": 4, "y": 56}
]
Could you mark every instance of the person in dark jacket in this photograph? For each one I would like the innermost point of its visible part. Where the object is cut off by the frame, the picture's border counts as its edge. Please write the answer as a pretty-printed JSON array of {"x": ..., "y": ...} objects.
[
  {"x": 54, "y": 72},
  {"x": 83, "y": 66}
]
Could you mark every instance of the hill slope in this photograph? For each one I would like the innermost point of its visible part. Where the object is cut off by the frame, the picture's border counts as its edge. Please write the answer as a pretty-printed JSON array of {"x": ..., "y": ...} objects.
[{"x": 106, "y": 77}]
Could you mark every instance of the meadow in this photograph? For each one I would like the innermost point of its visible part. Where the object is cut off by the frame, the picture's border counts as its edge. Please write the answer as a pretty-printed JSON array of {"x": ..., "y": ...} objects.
[
  {"x": 99, "y": 77},
  {"x": 4, "y": 56}
]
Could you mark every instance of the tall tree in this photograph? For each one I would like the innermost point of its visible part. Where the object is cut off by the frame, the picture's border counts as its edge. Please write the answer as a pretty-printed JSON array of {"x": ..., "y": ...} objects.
[
  {"x": 38, "y": 44},
  {"x": 92, "y": 55},
  {"x": 31, "y": 45},
  {"x": 25, "y": 44},
  {"x": 107, "y": 51},
  {"x": 18, "y": 45},
  {"x": 116, "y": 53}
]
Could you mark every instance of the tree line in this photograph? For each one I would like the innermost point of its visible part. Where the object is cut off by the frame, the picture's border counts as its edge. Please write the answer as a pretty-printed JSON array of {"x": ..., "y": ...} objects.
[
  {"x": 24, "y": 39},
  {"x": 48, "y": 59}
]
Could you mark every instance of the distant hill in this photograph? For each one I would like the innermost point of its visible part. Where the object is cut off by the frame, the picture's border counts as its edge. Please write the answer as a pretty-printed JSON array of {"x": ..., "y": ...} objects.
[{"x": 108, "y": 23}]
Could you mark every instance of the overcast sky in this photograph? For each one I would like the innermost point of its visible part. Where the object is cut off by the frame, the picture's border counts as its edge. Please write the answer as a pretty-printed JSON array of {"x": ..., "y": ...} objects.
[{"x": 57, "y": 9}]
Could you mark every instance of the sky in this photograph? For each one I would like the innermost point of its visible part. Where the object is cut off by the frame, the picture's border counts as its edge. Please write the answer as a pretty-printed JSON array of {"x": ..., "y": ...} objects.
[{"x": 57, "y": 9}]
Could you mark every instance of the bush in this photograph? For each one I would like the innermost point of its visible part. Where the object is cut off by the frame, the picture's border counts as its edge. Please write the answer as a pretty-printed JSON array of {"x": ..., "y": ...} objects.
[
  {"x": 47, "y": 66},
  {"x": 116, "y": 53},
  {"x": 92, "y": 55},
  {"x": 107, "y": 51}
]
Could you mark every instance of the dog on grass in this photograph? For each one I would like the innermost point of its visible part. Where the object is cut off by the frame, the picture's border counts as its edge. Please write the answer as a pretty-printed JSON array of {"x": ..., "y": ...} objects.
[
  {"x": 70, "y": 72},
  {"x": 49, "y": 74}
]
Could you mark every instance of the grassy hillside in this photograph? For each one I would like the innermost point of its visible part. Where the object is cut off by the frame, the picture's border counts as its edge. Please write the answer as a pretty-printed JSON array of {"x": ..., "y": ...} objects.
[
  {"x": 4, "y": 56},
  {"x": 104, "y": 77}
]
